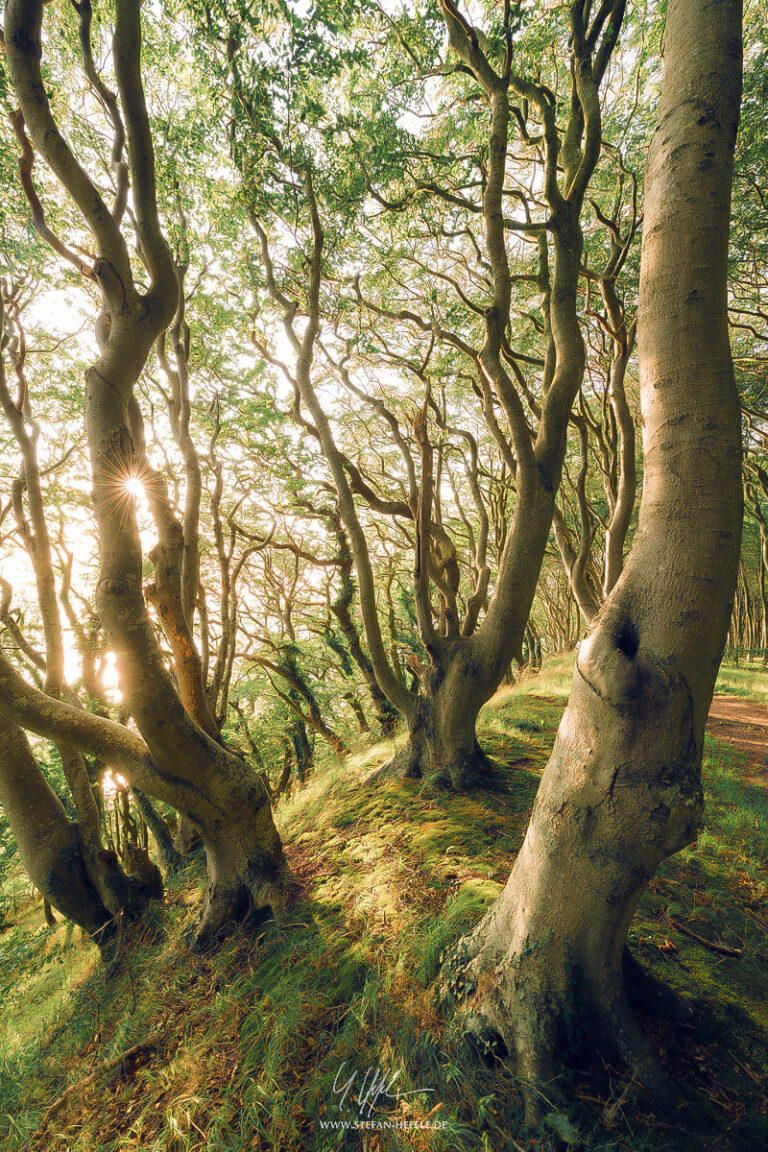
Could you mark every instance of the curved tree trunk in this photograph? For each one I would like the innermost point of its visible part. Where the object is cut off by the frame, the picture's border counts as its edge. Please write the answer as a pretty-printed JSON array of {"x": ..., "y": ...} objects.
[
  {"x": 622, "y": 789},
  {"x": 358, "y": 712},
  {"x": 575, "y": 561},
  {"x": 103, "y": 869},
  {"x": 169, "y": 858},
  {"x": 341, "y": 607},
  {"x": 226, "y": 799},
  {"x": 50, "y": 847},
  {"x": 176, "y": 760},
  {"x": 468, "y": 658}
]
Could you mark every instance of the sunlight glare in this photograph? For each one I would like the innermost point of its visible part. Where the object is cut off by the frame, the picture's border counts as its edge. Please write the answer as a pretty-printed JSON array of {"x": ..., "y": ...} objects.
[
  {"x": 112, "y": 783},
  {"x": 109, "y": 679},
  {"x": 134, "y": 487},
  {"x": 109, "y": 674}
]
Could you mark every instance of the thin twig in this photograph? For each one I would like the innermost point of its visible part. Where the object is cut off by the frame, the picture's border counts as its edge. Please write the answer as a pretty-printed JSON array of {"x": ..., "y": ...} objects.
[{"x": 722, "y": 949}]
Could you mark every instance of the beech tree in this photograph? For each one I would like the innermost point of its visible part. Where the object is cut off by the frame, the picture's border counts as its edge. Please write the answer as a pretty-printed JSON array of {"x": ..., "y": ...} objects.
[
  {"x": 622, "y": 790},
  {"x": 467, "y": 652},
  {"x": 115, "y": 891},
  {"x": 173, "y": 758},
  {"x": 382, "y": 416}
]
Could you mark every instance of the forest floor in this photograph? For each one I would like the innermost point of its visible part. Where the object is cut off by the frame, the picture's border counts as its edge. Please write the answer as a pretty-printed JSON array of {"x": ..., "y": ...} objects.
[
  {"x": 251, "y": 1046},
  {"x": 743, "y": 725}
]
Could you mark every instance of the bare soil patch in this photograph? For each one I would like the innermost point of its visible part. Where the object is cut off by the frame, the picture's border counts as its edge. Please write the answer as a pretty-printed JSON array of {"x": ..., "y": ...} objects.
[{"x": 744, "y": 725}]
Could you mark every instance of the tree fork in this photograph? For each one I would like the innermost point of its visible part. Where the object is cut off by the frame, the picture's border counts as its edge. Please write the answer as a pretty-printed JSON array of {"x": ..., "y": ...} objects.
[{"x": 177, "y": 761}]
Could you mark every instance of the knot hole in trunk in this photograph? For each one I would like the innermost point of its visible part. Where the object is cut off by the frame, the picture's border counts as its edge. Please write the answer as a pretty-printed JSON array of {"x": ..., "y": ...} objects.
[{"x": 627, "y": 640}]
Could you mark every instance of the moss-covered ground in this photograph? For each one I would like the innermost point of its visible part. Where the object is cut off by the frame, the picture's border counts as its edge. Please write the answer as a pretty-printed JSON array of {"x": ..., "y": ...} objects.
[{"x": 250, "y": 1046}]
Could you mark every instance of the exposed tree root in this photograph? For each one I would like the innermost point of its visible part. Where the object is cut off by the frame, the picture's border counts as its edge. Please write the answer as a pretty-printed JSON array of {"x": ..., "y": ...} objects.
[
  {"x": 459, "y": 769},
  {"x": 243, "y": 883},
  {"x": 227, "y": 906},
  {"x": 531, "y": 1023},
  {"x": 404, "y": 765}
]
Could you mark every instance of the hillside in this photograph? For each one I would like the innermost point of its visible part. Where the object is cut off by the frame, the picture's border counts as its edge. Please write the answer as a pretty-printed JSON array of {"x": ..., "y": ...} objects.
[{"x": 251, "y": 1046}]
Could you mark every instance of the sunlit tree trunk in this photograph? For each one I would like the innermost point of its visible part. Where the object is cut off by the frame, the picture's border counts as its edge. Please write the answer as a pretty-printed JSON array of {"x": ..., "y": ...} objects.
[
  {"x": 622, "y": 790},
  {"x": 102, "y": 867},
  {"x": 177, "y": 760},
  {"x": 469, "y": 653}
]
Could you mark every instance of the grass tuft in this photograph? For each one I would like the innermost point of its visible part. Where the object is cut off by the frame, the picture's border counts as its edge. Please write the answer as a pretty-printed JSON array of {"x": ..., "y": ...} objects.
[{"x": 249, "y": 1047}]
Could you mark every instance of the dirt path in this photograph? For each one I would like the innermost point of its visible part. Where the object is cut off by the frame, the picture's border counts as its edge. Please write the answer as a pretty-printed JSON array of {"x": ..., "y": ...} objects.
[{"x": 744, "y": 725}]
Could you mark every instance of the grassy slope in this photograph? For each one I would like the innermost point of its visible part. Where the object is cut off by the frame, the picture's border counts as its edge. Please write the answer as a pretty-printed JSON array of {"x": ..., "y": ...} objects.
[{"x": 245, "y": 1043}]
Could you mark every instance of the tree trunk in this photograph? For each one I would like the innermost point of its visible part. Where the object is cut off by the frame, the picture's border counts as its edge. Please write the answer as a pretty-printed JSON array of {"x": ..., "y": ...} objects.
[
  {"x": 386, "y": 714},
  {"x": 103, "y": 870},
  {"x": 177, "y": 760},
  {"x": 468, "y": 658},
  {"x": 187, "y": 837},
  {"x": 302, "y": 748},
  {"x": 576, "y": 560},
  {"x": 622, "y": 790},
  {"x": 359, "y": 712},
  {"x": 49, "y": 845},
  {"x": 245, "y": 872},
  {"x": 299, "y": 691},
  {"x": 169, "y": 858},
  {"x": 442, "y": 741}
]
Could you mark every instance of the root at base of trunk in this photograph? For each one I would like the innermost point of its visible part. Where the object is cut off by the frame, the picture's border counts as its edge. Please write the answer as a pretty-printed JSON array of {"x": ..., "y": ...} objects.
[
  {"x": 459, "y": 770},
  {"x": 252, "y": 894},
  {"x": 224, "y": 908},
  {"x": 538, "y": 1025}
]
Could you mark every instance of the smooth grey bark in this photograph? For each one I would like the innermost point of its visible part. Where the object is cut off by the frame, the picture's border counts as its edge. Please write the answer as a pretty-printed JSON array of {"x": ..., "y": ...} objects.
[
  {"x": 103, "y": 869},
  {"x": 50, "y": 846},
  {"x": 175, "y": 759},
  {"x": 229, "y": 806},
  {"x": 622, "y": 790}
]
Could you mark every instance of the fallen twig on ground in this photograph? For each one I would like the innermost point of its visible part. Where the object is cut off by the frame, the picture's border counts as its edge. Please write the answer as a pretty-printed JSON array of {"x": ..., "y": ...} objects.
[{"x": 722, "y": 949}]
